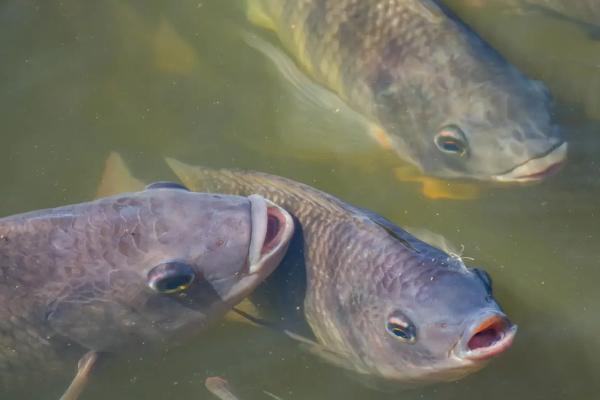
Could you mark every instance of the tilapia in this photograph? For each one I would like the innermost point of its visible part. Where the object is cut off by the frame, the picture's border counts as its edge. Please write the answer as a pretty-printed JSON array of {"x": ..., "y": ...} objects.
[
  {"x": 433, "y": 89},
  {"x": 375, "y": 299},
  {"x": 583, "y": 11},
  {"x": 131, "y": 272}
]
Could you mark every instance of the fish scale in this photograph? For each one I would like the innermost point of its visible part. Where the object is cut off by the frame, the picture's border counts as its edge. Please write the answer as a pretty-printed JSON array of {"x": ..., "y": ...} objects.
[
  {"x": 363, "y": 273},
  {"x": 423, "y": 82},
  {"x": 128, "y": 273}
]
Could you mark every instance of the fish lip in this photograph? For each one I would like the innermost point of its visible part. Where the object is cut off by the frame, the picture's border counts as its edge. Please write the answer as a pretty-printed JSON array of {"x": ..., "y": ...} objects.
[
  {"x": 507, "y": 336},
  {"x": 266, "y": 247},
  {"x": 537, "y": 168}
]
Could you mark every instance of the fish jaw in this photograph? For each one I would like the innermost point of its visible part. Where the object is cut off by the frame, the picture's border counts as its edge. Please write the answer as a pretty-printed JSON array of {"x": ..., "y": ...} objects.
[
  {"x": 272, "y": 229},
  {"x": 537, "y": 168},
  {"x": 487, "y": 337}
]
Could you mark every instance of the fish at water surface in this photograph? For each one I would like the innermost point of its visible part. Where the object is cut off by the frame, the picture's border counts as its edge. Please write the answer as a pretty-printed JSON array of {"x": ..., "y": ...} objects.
[
  {"x": 133, "y": 271},
  {"x": 443, "y": 98},
  {"x": 377, "y": 300}
]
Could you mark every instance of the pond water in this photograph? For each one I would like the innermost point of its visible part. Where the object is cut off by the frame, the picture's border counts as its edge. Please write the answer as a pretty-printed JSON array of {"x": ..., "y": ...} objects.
[{"x": 151, "y": 79}]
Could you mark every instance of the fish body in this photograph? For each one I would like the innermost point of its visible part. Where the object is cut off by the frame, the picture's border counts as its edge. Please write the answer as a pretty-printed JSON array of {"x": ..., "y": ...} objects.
[
  {"x": 377, "y": 300},
  {"x": 134, "y": 271},
  {"x": 441, "y": 97}
]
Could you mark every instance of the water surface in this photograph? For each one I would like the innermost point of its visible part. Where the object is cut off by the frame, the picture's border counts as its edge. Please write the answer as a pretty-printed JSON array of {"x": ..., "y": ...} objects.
[{"x": 152, "y": 79}]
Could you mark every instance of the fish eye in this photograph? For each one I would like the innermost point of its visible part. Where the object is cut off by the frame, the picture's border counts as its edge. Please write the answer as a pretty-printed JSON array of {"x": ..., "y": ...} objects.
[
  {"x": 401, "y": 328},
  {"x": 171, "y": 277},
  {"x": 451, "y": 140}
]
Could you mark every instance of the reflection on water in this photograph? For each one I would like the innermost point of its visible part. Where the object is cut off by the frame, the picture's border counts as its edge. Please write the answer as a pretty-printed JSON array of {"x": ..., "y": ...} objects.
[{"x": 152, "y": 80}]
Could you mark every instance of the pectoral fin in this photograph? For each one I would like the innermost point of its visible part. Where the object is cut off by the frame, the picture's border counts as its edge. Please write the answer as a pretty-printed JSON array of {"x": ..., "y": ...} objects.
[
  {"x": 247, "y": 307},
  {"x": 220, "y": 388},
  {"x": 441, "y": 190},
  {"x": 79, "y": 382},
  {"x": 437, "y": 189},
  {"x": 327, "y": 122},
  {"x": 319, "y": 350}
]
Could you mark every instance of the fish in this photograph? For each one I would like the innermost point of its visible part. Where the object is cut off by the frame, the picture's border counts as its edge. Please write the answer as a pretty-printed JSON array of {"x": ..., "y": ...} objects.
[
  {"x": 134, "y": 272},
  {"x": 585, "y": 12},
  {"x": 433, "y": 90},
  {"x": 371, "y": 298}
]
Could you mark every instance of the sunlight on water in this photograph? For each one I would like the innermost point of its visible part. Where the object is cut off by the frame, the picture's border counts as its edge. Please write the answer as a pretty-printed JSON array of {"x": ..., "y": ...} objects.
[{"x": 151, "y": 79}]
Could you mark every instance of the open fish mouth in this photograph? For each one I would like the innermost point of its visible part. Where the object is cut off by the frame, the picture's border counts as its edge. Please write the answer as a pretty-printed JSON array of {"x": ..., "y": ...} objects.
[
  {"x": 538, "y": 168},
  {"x": 272, "y": 229},
  {"x": 486, "y": 338}
]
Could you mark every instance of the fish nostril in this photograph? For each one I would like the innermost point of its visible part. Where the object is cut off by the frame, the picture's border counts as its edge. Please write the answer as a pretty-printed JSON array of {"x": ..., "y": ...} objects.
[{"x": 488, "y": 333}]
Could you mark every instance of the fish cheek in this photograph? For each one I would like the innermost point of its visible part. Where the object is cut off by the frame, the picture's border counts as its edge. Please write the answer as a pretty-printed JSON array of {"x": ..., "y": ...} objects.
[{"x": 99, "y": 315}]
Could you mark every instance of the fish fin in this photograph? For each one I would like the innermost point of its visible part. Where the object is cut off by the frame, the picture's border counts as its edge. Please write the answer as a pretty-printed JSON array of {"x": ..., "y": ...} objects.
[
  {"x": 246, "y": 306},
  {"x": 256, "y": 14},
  {"x": 117, "y": 178},
  {"x": 428, "y": 9},
  {"x": 166, "y": 185},
  {"x": 305, "y": 342},
  {"x": 220, "y": 388},
  {"x": 172, "y": 53},
  {"x": 391, "y": 228},
  {"x": 435, "y": 239},
  {"x": 438, "y": 189},
  {"x": 407, "y": 173},
  {"x": 79, "y": 382},
  {"x": 319, "y": 350},
  {"x": 271, "y": 395},
  {"x": 381, "y": 137},
  {"x": 185, "y": 173},
  {"x": 591, "y": 30},
  {"x": 320, "y": 118}
]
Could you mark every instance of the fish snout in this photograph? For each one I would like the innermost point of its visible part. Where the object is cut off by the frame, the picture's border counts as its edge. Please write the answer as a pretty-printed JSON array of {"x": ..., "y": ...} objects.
[
  {"x": 487, "y": 337},
  {"x": 537, "y": 168},
  {"x": 272, "y": 229}
]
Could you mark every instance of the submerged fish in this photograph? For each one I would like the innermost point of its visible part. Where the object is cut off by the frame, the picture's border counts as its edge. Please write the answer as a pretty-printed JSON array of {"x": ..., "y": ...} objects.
[
  {"x": 377, "y": 300},
  {"x": 582, "y": 11},
  {"x": 133, "y": 271},
  {"x": 438, "y": 94}
]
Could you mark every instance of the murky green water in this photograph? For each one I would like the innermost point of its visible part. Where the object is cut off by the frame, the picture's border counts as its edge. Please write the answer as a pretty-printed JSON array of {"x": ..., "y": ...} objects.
[{"x": 152, "y": 79}]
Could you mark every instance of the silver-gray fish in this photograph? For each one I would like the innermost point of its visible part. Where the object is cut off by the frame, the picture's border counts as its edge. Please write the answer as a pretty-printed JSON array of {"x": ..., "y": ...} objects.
[
  {"x": 130, "y": 272},
  {"x": 442, "y": 97},
  {"x": 377, "y": 300}
]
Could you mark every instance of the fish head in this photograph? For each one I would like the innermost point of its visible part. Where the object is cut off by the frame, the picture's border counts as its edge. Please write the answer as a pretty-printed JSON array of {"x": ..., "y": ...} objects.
[
  {"x": 436, "y": 322},
  {"x": 222, "y": 252},
  {"x": 469, "y": 115},
  {"x": 498, "y": 131},
  {"x": 180, "y": 260}
]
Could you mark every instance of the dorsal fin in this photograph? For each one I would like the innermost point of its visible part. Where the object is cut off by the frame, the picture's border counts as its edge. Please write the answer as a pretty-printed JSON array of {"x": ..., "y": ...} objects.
[
  {"x": 166, "y": 185},
  {"x": 391, "y": 229}
]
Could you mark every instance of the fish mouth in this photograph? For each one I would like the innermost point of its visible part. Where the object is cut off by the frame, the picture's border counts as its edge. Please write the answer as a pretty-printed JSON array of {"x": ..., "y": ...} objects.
[
  {"x": 486, "y": 338},
  {"x": 537, "y": 168},
  {"x": 272, "y": 229}
]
